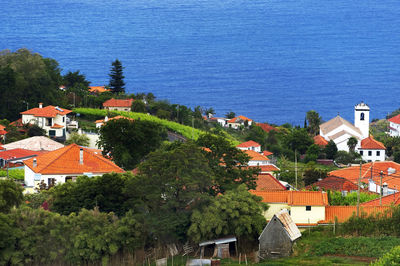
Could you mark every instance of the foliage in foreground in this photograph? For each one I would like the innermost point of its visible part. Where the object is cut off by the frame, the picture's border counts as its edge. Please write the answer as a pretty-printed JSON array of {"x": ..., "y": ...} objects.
[
  {"x": 13, "y": 173},
  {"x": 10, "y": 195},
  {"x": 337, "y": 199},
  {"x": 390, "y": 258}
]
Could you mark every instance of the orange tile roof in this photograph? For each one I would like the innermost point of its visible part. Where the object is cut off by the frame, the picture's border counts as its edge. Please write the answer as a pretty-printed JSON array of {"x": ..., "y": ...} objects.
[
  {"x": 395, "y": 119},
  {"x": 255, "y": 156},
  {"x": 240, "y": 117},
  {"x": 266, "y": 127},
  {"x": 66, "y": 161},
  {"x": 17, "y": 123},
  {"x": 3, "y": 132},
  {"x": 2, "y": 127},
  {"x": 343, "y": 213},
  {"x": 267, "y": 182},
  {"x": 372, "y": 171},
  {"x": 267, "y": 168},
  {"x": 294, "y": 198},
  {"x": 57, "y": 126},
  {"x": 334, "y": 183},
  {"x": 118, "y": 103},
  {"x": 17, "y": 153},
  {"x": 371, "y": 144},
  {"x": 114, "y": 118},
  {"x": 320, "y": 141},
  {"x": 267, "y": 153},
  {"x": 386, "y": 200},
  {"x": 97, "y": 89},
  {"x": 248, "y": 144},
  {"x": 48, "y": 111}
]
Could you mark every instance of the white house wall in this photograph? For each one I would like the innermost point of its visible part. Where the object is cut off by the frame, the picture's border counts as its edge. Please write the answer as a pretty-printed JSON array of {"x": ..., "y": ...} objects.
[
  {"x": 394, "y": 129},
  {"x": 373, "y": 157},
  {"x": 300, "y": 215}
]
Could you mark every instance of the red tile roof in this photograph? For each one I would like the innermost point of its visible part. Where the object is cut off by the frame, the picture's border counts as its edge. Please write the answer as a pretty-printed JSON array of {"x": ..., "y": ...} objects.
[
  {"x": 343, "y": 213},
  {"x": 57, "y": 126},
  {"x": 2, "y": 127},
  {"x": 267, "y": 153},
  {"x": 48, "y": 111},
  {"x": 3, "y": 132},
  {"x": 320, "y": 141},
  {"x": 334, "y": 183},
  {"x": 266, "y": 127},
  {"x": 386, "y": 200},
  {"x": 395, "y": 119},
  {"x": 372, "y": 171},
  {"x": 118, "y": 103},
  {"x": 267, "y": 168},
  {"x": 371, "y": 144},
  {"x": 17, "y": 123},
  {"x": 97, "y": 89},
  {"x": 266, "y": 182},
  {"x": 66, "y": 161},
  {"x": 248, "y": 144},
  {"x": 240, "y": 117},
  {"x": 17, "y": 153},
  {"x": 294, "y": 198},
  {"x": 255, "y": 156}
]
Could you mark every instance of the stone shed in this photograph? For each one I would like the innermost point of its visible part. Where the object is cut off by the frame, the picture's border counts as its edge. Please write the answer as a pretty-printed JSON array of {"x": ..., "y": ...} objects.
[{"x": 278, "y": 236}]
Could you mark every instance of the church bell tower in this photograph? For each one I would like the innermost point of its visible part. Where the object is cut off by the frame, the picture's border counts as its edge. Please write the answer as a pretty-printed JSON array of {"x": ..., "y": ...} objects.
[{"x": 361, "y": 118}]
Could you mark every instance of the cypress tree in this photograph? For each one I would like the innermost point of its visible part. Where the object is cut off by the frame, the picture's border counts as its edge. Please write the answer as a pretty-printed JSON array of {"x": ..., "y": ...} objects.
[{"x": 117, "y": 84}]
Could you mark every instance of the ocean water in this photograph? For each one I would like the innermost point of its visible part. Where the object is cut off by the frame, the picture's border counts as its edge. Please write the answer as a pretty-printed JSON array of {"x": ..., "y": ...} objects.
[{"x": 269, "y": 60}]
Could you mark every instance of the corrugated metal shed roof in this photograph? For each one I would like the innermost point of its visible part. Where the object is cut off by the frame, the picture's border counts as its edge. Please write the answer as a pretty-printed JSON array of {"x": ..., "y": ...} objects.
[
  {"x": 218, "y": 241},
  {"x": 288, "y": 224}
]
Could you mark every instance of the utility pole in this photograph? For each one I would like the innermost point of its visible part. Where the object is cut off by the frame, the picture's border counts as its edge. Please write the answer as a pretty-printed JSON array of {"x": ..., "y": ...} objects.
[
  {"x": 358, "y": 191},
  {"x": 380, "y": 191},
  {"x": 295, "y": 165}
]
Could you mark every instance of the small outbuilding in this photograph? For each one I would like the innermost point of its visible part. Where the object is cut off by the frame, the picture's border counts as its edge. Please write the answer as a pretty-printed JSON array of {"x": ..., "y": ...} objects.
[{"x": 277, "y": 238}]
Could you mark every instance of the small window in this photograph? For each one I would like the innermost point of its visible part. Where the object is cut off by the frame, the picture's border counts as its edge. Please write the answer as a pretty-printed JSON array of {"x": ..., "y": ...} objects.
[
  {"x": 63, "y": 119},
  {"x": 369, "y": 153},
  {"x": 362, "y": 116},
  {"x": 378, "y": 153},
  {"x": 308, "y": 208},
  {"x": 361, "y": 152}
]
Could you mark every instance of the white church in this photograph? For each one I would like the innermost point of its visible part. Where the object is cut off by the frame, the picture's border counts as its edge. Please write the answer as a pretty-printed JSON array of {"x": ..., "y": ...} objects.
[{"x": 340, "y": 130}]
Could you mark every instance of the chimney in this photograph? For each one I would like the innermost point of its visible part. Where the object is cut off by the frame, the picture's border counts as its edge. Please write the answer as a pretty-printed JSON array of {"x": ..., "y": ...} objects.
[
  {"x": 34, "y": 162},
  {"x": 81, "y": 156},
  {"x": 40, "y": 105},
  {"x": 385, "y": 189}
]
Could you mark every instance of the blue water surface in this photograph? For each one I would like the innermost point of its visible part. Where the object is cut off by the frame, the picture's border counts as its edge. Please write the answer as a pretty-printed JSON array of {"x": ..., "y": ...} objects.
[{"x": 268, "y": 60}]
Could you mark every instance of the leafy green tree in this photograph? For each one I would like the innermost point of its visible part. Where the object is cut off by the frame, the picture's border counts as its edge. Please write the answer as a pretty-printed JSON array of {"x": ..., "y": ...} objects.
[
  {"x": 312, "y": 153},
  {"x": 396, "y": 157},
  {"x": 314, "y": 120},
  {"x": 127, "y": 142},
  {"x": 345, "y": 157},
  {"x": 10, "y": 195},
  {"x": 35, "y": 130},
  {"x": 209, "y": 111},
  {"x": 312, "y": 175},
  {"x": 352, "y": 143},
  {"x": 297, "y": 139},
  {"x": 230, "y": 115},
  {"x": 229, "y": 164},
  {"x": 117, "y": 84},
  {"x": 79, "y": 139},
  {"x": 331, "y": 150},
  {"x": 74, "y": 79},
  {"x": 237, "y": 212},
  {"x": 258, "y": 135},
  {"x": 27, "y": 78},
  {"x": 139, "y": 107}
]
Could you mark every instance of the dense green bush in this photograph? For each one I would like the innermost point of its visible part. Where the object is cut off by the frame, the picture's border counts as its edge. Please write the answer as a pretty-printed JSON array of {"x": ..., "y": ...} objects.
[
  {"x": 13, "y": 173},
  {"x": 337, "y": 199},
  {"x": 390, "y": 258}
]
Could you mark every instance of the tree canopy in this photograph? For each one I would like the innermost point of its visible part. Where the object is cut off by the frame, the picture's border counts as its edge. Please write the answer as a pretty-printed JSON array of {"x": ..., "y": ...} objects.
[{"x": 117, "y": 84}]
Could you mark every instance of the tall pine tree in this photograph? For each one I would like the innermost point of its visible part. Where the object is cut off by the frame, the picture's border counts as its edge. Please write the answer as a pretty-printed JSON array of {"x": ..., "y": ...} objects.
[{"x": 117, "y": 84}]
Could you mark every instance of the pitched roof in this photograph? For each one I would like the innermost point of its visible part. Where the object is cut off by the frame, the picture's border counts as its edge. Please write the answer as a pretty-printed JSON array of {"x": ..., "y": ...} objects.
[
  {"x": 294, "y": 198},
  {"x": 3, "y": 132},
  {"x": 267, "y": 168},
  {"x": 395, "y": 119},
  {"x": 248, "y": 144},
  {"x": 255, "y": 156},
  {"x": 371, "y": 144},
  {"x": 17, "y": 123},
  {"x": 239, "y": 118},
  {"x": 342, "y": 133},
  {"x": 386, "y": 200},
  {"x": 267, "y": 153},
  {"x": 97, "y": 89},
  {"x": 391, "y": 172},
  {"x": 37, "y": 143},
  {"x": 343, "y": 213},
  {"x": 118, "y": 103},
  {"x": 48, "y": 111},
  {"x": 335, "y": 123},
  {"x": 334, "y": 183},
  {"x": 320, "y": 141},
  {"x": 17, "y": 153},
  {"x": 266, "y": 127},
  {"x": 66, "y": 161},
  {"x": 284, "y": 217},
  {"x": 267, "y": 182},
  {"x": 2, "y": 127}
]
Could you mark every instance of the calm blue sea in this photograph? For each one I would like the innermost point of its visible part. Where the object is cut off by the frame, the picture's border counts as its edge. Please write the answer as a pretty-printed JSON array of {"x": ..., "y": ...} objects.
[{"x": 269, "y": 60}]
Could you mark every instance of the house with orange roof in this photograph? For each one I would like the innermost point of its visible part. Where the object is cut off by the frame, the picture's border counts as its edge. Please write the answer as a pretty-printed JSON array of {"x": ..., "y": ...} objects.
[
  {"x": 3, "y": 132},
  {"x": 372, "y": 150},
  {"x": 65, "y": 164},
  {"x": 239, "y": 121},
  {"x": 256, "y": 159},
  {"x": 16, "y": 156},
  {"x": 101, "y": 122},
  {"x": 320, "y": 141},
  {"x": 249, "y": 145},
  {"x": 118, "y": 104},
  {"x": 371, "y": 174},
  {"x": 388, "y": 200},
  {"x": 306, "y": 208},
  {"x": 334, "y": 183},
  {"x": 53, "y": 119},
  {"x": 394, "y": 126},
  {"x": 266, "y": 127},
  {"x": 266, "y": 182},
  {"x": 97, "y": 89}
]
